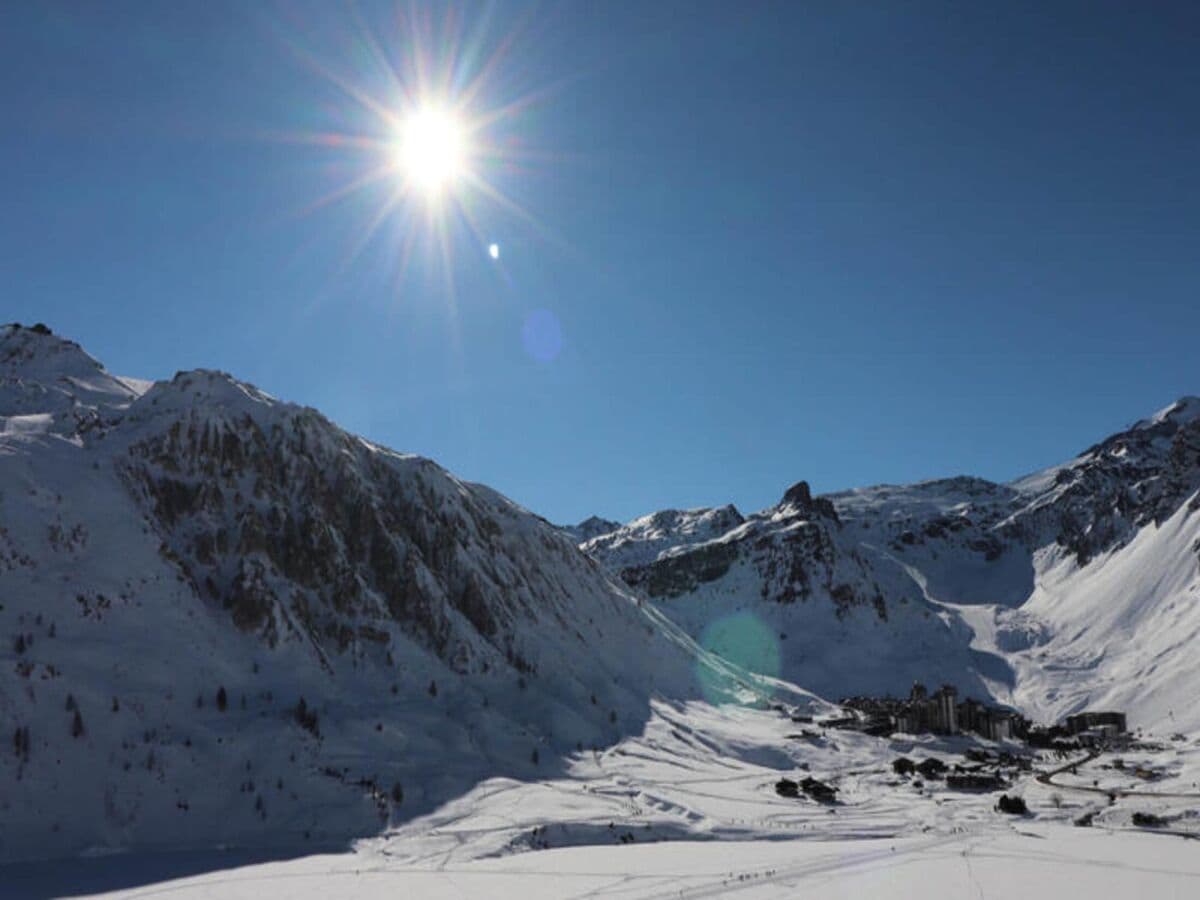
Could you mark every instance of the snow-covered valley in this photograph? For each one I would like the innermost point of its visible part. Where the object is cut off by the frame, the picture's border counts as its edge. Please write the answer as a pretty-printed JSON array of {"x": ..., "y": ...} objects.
[
  {"x": 227, "y": 623},
  {"x": 689, "y": 809},
  {"x": 1072, "y": 588}
]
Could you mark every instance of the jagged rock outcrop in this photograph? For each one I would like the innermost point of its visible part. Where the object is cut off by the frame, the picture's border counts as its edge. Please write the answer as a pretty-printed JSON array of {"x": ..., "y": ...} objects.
[{"x": 799, "y": 497}]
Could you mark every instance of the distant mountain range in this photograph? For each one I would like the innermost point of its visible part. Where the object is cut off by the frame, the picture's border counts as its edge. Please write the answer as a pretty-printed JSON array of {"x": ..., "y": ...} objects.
[
  {"x": 1076, "y": 586},
  {"x": 225, "y": 620}
]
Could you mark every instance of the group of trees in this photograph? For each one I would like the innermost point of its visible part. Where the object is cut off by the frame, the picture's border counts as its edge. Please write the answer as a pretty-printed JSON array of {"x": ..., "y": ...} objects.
[
  {"x": 21, "y": 742},
  {"x": 1014, "y": 806},
  {"x": 307, "y": 718},
  {"x": 222, "y": 700},
  {"x": 77, "y": 728}
]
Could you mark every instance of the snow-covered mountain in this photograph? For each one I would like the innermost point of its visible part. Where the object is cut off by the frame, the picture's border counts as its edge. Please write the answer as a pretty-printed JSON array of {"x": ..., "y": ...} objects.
[
  {"x": 226, "y": 620},
  {"x": 1077, "y": 586},
  {"x": 590, "y": 528}
]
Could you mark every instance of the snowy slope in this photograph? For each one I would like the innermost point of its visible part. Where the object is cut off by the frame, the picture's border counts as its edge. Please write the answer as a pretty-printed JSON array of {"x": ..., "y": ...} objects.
[
  {"x": 1070, "y": 588},
  {"x": 1120, "y": 632},
  {"x": 1038, "y": 862},
  {"x": 689, "y": 808},
  {"x": 225, "y": 620},
  {"x": 643, "y": 539}
]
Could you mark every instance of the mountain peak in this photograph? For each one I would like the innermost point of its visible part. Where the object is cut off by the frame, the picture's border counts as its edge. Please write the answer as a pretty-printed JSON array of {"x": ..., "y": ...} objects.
[
  {"x": 1183, "y": 411},
  {"x": 44, "y": 375},
  {"x": 799, "y": 496},
  {"x": 592, "y": 526},
  {"x": 37, "y": 353},
  {"x": 198, "y": 388}
]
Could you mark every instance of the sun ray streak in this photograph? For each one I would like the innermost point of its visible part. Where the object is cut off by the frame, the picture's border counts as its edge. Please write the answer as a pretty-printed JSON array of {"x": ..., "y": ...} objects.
[
  {"x": 352, "y": 90},
  {"x": 386, "y": 209},
  {"x": 497, "y": 58},
  {"x": 358, "y": 184},
  {"x": 520, "y": 105},
  {"x": 333, "y": 140},
  {"x": 377, "y": 53},
  {"x": 499, "y": 198}
]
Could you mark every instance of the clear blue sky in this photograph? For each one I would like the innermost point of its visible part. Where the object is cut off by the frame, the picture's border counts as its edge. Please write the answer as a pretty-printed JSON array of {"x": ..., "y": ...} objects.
[{"x": 843, "y": 242}]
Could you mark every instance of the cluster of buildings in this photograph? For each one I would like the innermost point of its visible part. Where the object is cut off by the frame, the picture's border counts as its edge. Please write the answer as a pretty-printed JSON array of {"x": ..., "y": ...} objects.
[
  {"x": 939, "y": 712},
  {"x": 1096, "y": 728},
  {"x": 943, "y": 713}
]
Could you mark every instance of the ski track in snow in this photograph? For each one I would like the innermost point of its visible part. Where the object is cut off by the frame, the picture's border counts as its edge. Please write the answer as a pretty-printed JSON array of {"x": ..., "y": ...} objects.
[{"x": 708, "y": 824}]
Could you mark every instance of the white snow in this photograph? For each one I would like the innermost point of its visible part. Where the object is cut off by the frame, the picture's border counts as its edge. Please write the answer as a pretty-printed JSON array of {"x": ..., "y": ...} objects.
[
  {"x": 1036, "y": 863},
  {"x": 688, "y": 809},
  {"x": 643, "y": 539}
]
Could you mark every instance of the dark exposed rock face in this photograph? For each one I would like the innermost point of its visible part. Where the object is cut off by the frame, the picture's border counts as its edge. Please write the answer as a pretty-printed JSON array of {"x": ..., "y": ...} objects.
[
  {"x": 249, "y": 513},
  {"x": 792, "y": 559},
  {"x": 1132, "y": 479},
  {"x": 800, "y": 496},
  {"x": 297, "y": 528},
  {"x": 793, "y": 552},
  {"x": 680, "y": 574},
  {"x": 792, "y": 555}
]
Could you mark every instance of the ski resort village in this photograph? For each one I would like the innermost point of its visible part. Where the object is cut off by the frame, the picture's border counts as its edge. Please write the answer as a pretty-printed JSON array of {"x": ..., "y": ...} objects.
[{"x": 942, "y": 713}]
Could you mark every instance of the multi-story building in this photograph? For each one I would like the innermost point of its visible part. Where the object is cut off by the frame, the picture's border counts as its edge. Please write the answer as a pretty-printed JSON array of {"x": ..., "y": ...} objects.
[
  {"x": 945, "y": 709},
  {"x": 969, "y": 713},
  {"x": 940, "y": 712},
  {"x": 1105, "y": 723},
  {"x": 1000, "y": 726}
]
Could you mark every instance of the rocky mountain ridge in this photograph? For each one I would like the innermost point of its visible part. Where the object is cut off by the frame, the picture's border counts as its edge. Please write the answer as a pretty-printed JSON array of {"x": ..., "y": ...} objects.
[
  {"x": 224, "y": 619},
  {"x": 954, "y": 570}
]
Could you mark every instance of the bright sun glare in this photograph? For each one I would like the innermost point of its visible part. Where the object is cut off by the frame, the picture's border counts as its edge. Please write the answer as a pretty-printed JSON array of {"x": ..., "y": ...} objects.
[
  {"x": 432, "y": 138},
  {"x": 431, "y": 150}
]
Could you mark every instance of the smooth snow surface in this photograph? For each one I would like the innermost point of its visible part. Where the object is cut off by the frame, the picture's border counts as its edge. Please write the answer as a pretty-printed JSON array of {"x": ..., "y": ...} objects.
[{"x": 1034, "y": 863}]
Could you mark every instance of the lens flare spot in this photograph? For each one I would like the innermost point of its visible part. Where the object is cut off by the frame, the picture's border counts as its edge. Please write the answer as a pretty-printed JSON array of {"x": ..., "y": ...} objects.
[
  {"x": 541, "y": 335},
  {"x": 744, "y": 640},
  {"x": 494, "y": 251}
]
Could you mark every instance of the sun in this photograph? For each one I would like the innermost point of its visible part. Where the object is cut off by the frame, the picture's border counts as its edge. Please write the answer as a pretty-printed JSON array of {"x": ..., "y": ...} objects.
[
  {"x": 431, "y": 150},
  {"x": 433, "y": 132}
]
